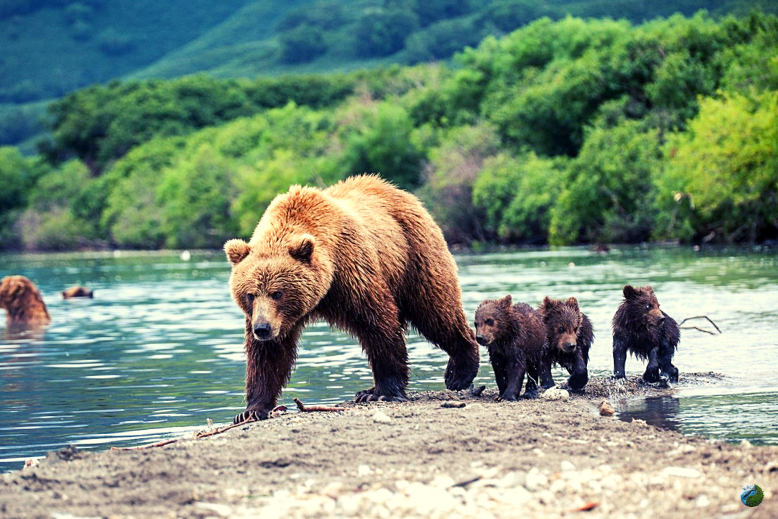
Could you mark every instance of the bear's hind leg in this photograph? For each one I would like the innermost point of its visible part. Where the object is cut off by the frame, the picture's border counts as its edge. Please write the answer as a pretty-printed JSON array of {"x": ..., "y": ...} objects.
[
  {"x": 387, "y": 354},
  {"x": 451, "y": 333}
]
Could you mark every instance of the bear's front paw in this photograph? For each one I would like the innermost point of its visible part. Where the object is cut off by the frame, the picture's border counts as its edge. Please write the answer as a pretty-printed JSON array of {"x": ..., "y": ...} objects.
[
  {"x": 672, "y": 374},
  {"x": 373, "y": 395},
  {"x": 651, "y": 375},
  {"x": 250, "y": 416},
  {"x": 530, "y": 394},
  {"x": 460, "y": 375}
]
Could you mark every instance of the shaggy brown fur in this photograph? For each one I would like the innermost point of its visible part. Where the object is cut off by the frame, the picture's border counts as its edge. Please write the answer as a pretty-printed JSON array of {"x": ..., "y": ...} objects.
[
  {"x": 72, "y": 292},
  {"x": 515, "y": 337},
  {"x": 23, "y": 302},
  {"x": 641, "y": 328},
  {"x": 570, "y": 335},
  {"x": 365, "y": 257}
]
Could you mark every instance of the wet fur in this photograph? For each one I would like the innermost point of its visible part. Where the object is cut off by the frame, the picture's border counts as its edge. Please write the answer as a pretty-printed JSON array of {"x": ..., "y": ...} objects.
[
  {"x": 569, "y": 334},
  {"x": 365, "y": 257},
  {"x": 22, "y": 302},
  {"x": 640, "y": 327},
  {"x": 515, "y": 340},
  {"x": 73, "y": 292}
]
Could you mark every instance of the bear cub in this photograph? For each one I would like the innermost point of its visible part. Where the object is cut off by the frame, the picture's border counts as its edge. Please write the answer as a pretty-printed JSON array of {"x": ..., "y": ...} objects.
[
  {"x": 570, "y": 334},
  {"x": 515, "y": 338},
  {"x": 641, "y": 328}
]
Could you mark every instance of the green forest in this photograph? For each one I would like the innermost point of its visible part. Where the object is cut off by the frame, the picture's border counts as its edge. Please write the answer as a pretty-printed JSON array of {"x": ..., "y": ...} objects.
[{"x": 568, "y": 130}]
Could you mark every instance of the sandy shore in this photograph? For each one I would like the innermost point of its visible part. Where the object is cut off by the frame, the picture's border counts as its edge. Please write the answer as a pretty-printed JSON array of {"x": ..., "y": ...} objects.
[{"x": 442, "y": 454}]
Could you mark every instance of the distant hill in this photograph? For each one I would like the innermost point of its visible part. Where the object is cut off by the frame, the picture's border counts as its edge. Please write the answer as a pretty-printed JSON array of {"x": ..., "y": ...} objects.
[{"x": 52, "y": 47}]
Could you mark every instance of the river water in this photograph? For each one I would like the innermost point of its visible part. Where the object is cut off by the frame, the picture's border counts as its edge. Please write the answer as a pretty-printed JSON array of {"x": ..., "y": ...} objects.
[{"x": 159, "y": 350}]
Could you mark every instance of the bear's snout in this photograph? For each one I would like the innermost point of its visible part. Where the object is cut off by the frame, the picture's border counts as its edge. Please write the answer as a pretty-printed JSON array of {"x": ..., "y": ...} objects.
[
  {"x": 262, "y": 330},
  {"x": 480, "y": 339}
]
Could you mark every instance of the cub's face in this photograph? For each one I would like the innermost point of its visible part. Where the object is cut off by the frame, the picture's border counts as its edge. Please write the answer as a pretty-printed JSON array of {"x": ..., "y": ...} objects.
[
  {"x": 643, "y": 305},
  {"x": 274, "y": 290},
  {"x": 491, "y": 320},
  {"x": 563, "y": 320}
]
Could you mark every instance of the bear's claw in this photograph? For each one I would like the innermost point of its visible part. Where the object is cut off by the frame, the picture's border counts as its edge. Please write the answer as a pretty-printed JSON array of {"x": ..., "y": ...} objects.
[
  {"x": 250, "y": 416},
  {"x": 369, "y": 395}
]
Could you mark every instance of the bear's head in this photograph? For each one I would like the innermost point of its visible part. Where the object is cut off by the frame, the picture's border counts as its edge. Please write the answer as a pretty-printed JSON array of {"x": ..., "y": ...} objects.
[
  {"x": 493, "y": 320},
  {"x": 563, "y": 320},
  {"x": 23, "y": 301},
  {"x": 277, "y": 284},
  {"x": 641, "y": 307}
]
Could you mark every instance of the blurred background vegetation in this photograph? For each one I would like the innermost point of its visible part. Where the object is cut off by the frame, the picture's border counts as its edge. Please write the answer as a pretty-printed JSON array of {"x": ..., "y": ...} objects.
[{"x": 173, "y": 124}]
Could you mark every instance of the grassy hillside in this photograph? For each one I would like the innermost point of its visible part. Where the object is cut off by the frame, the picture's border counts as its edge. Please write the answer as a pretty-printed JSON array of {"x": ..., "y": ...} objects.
[{"x": 52, "y": 47}]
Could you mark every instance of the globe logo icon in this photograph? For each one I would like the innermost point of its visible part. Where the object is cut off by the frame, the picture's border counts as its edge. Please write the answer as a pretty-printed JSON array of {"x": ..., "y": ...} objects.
[{"x": 751, "y": 495}]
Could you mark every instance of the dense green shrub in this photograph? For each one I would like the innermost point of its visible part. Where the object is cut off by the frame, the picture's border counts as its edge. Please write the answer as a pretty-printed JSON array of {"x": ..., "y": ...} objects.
[{"x": 721, "y": 177}]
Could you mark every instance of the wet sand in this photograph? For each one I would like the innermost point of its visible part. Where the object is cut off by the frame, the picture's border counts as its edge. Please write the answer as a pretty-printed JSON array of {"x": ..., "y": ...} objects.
[{"x": 442, "y": 454}]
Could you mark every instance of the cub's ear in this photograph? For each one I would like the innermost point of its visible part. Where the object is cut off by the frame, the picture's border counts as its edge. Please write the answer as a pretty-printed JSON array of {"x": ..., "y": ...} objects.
[
  {"x": 301, "y": 248},
  {"x": 648, "y": 289},
  {"x": 236, "y": 250},
  {"x": 547, "y": 304},
  {"x": 572, "y": 303},
  {"x": 506, "y": 301},
  {"x": 630, "y": 292}
]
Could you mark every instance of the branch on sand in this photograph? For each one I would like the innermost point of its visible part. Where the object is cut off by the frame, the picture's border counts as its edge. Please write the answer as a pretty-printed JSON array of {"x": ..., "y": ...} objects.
[
  {"x": 315, "y": 408},
  {"x": 204, "y": 434},
  {"x": 698, "y": 329}
]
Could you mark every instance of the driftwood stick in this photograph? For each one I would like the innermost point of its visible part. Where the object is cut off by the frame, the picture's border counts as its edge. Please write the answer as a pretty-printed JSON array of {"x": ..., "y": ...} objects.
[
  {"x": 141, "y": 447},
  {"x": 201, "y": 434},
  {"x": 315, "y": 408},
  {"x": 700, "y": 317},
  {"x": 695, "y": 328}
]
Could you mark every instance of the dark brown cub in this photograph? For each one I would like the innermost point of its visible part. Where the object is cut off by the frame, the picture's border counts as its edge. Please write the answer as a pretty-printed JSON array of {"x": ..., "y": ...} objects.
[
  {"x": 643, "y": 329},
  {"x": 570, "y": 335},
  {"x": 515, "y": 338}
]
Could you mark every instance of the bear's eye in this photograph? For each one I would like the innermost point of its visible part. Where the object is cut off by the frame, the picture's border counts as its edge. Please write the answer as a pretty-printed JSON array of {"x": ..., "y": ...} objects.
[
  {"x": 561, "y": 329},
  {"x": 250, "y": 298},
  {"x": 276, "y": 295},
  {"x": 648, "y": 307},
  {"x": 490, "y": 322}
]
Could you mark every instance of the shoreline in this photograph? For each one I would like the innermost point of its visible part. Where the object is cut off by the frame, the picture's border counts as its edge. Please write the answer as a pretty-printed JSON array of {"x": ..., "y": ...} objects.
[{"x": 442, "y": 454}]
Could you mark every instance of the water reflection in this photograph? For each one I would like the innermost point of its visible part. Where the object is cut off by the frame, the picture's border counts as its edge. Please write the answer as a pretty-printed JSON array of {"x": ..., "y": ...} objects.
[
  {"x": 662, "y": 411},
  {"x": 159, "y": 350}
]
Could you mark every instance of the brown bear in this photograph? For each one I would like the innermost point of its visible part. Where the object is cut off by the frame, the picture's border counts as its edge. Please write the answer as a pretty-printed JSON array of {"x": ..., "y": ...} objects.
[
  {"x": 515, "y": 337},
  {"x": 367, "y": 258},
  {"x": 73, "y": 292},
  {"x": 23, "y": 302},
  {"x": 570, "y": 335},
  {"x": 641, "y": 328}
]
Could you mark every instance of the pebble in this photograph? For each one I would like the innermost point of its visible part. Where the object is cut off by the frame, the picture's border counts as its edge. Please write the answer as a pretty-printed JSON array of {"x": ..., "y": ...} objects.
[
  {"x": 606, "y": 409},
  {"x": 535, "y": 480},
  {"x": 555, "y": 393},
  {"x": 381, "y": 417},
  {"x": 566, "y": 466}
]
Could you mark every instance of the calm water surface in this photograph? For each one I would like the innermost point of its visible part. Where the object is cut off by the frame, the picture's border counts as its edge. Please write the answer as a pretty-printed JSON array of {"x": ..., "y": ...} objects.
[{"x": 159, "y": 350}]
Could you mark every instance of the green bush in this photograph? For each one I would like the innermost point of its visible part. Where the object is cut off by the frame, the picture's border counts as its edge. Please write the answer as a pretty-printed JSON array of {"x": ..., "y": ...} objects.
[
  {"x": 608, "y": 191},
  {"x": 515, "y": 195},
  {"x": 721, "y": 177}
]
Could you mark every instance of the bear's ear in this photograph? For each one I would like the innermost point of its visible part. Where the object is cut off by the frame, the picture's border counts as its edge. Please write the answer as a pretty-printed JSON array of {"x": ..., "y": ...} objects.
[
  {"x": 506, "y": 301},
  {"x": 546, "y": 304},
  {"x": 236, "y": 250},
  {"x": 648, "y": 289},
  {"x": 630, "y": 292},
  {"x": 301, "y": 249},
  {"x": 572, "y": 303}
]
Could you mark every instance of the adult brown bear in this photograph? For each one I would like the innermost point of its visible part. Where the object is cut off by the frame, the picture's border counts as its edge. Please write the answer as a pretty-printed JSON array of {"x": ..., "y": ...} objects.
[
  {"x": 23, "y": 302},
  {"x": 367, "y": 258}
]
